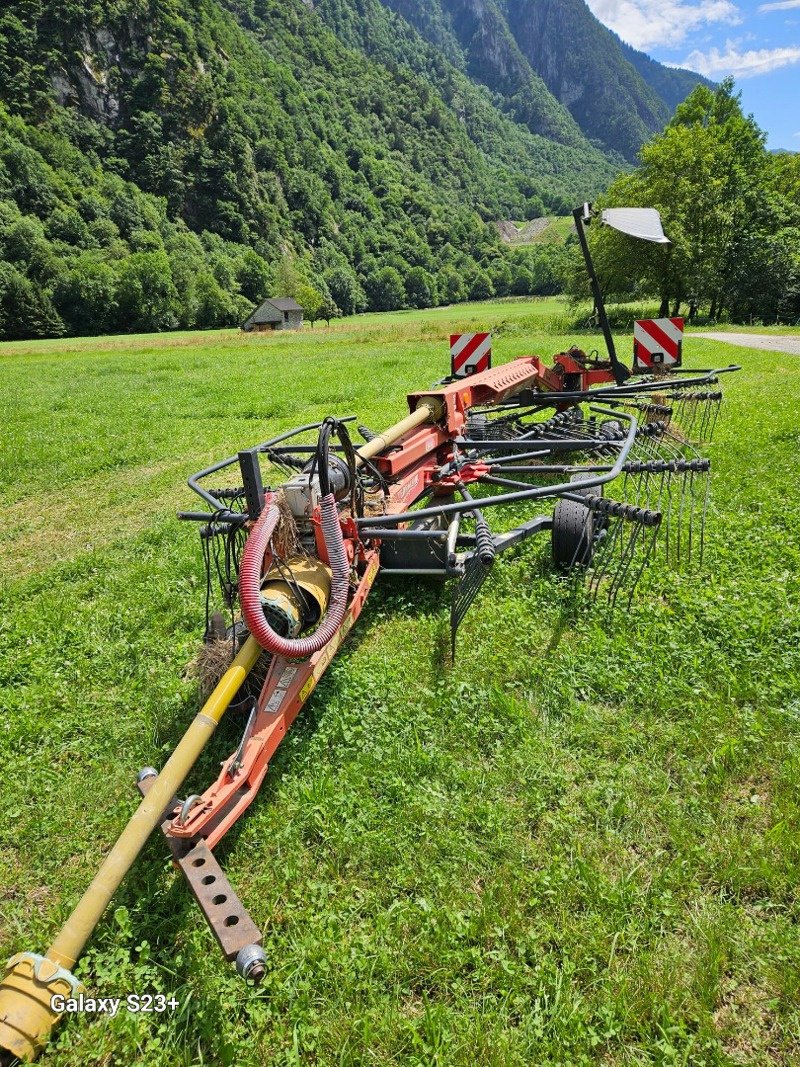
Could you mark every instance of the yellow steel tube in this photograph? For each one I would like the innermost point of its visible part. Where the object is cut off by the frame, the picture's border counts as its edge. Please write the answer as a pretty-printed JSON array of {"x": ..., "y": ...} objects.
[
  {"x": 68, "y": 946},
  {"x": 428, "y": 410},
  {"x": 26, "y": 1015}
]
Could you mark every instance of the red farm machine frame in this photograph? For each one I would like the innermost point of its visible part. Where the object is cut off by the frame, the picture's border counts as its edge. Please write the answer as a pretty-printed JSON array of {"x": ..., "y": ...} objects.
[{"x": 296, "y": 531}]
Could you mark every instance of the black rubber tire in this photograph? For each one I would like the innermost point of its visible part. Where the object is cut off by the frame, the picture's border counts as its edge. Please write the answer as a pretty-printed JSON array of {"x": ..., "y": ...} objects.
[
  {"x": 572, "y": 535},
  {"x": 574, "y": 528}
]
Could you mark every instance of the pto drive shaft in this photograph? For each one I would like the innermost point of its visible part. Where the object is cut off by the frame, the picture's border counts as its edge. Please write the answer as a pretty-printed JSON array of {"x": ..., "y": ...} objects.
[{"x": 26, "y": 1015}]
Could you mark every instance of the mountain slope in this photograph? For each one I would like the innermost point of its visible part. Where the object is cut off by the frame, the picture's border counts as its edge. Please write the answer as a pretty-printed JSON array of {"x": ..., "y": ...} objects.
[
  {"x": 673, "y": 84},
  {"x": 518, "y": 48},
  {"x": 204, "y": 133}
]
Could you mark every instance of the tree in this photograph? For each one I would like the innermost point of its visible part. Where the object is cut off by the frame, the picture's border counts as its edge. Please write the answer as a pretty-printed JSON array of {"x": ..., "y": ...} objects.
[
  {"x": 708, "y": 176},
  {"x": 522, "y": 278},
  {"x": 420, "y": 288},
  {"x": 480, "y": 286},
  {"x": 86, "y": 296},
  {"x": 311, "y": 300},
  {"x": 214, "y": 306},
  {"x": 24, "y": 311},
  {"x": 329, "y": 310},
  {"x": 146, "y": 294},
  {"x": 287, "y": 279},
  {"x": 252, "y": 275},
  {"x": 385, "y": 289},
  {"x": 501, "y": 276},
  {"x": 451, "y": 286},
  {"x": 345, "y": 289}
]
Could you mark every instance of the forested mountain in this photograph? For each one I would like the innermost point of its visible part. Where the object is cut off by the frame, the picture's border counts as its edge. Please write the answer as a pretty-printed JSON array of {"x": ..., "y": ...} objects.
[
  {"x": 672, "y": 84},
  {"x": 535, "y": 53},
  {"x": 165, "y": 162}
]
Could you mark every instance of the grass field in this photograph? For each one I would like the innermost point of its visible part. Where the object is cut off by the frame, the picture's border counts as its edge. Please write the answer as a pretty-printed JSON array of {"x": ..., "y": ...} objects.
[{"x": 578, "y": 846}]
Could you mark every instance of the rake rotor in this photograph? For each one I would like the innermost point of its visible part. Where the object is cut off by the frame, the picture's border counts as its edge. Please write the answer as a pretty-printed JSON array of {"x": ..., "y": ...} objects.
[{"x": 658, "y": 504}]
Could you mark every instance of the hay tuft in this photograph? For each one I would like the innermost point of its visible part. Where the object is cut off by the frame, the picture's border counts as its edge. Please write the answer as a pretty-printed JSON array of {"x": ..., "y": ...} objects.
[
  {"x": 212, "y": 660},
  {"x": 210, "y": 663},
  {"x": 285, "y": 539}
]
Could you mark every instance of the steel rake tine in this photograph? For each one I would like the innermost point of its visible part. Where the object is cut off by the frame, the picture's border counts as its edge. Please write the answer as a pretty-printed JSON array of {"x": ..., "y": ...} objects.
[
  {"x": 703, "y": 405},
  {"x": 660, "y": 496},
  {"x": 681, "y": 526},
  {"x": 631, "y": 486},
  {"x": 706, "y": 419},
  {"x": 669, "y": 447},
  {"x": 668, "y": 534},
  {"x": 624, "y": 565},
  {"x": 648, "y": 553},
  {"x": 647, "y": 489},
  {"x": 687, "y": 417},
  {"x": 687, "y": 413},
  {"x": 609, "y": 551},
  {"x": 580, "y": 544},
  {"x": 717, "y": 407},
  {"x": 706, "y": 493},
  {"x": 680, "y": 403}
]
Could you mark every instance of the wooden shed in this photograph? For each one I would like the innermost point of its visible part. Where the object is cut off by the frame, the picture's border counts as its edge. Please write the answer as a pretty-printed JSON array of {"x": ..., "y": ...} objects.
[{"x": 276, "y": 313}]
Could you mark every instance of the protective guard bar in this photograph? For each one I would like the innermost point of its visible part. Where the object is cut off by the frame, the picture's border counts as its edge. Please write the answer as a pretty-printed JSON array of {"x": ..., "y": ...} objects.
[
  {"x": 534, "y": 493},
  {"x": 194, "y": 480},
  {"x": 604, "y": 393}
]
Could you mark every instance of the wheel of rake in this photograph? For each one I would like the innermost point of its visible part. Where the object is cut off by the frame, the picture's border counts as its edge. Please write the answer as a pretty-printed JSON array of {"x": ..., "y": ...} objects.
[{"x": 574, "y": 529}]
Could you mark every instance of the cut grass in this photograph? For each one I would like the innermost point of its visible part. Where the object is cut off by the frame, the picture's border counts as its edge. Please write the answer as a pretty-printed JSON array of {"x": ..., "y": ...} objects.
[{"x": 578, "y": 846}]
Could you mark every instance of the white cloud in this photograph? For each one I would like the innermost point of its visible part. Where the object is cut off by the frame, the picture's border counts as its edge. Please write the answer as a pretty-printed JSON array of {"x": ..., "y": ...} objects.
[
  {"x": 741, "y": 64},
  {"x": 644, "y": 23},
  {"x": 783, "y": 5}
]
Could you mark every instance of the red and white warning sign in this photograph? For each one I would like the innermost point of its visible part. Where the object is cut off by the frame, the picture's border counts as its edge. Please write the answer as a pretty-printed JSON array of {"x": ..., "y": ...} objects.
[
  {"x": 470, "y": 353},
  {"x": 657, "y": 343}
]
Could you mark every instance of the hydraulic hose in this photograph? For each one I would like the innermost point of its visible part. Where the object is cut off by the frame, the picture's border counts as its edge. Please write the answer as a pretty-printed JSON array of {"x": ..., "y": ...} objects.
[{"x": 255, "y": 550}]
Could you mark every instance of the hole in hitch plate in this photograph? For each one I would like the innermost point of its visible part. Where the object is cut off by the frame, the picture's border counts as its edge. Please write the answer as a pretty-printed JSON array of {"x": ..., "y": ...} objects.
[
  {"x": 231, "y": 920},
  {"x": 220, "y": 898},
  {"x": 199, "y": 862},
  {"x": 209, "y": 879}
]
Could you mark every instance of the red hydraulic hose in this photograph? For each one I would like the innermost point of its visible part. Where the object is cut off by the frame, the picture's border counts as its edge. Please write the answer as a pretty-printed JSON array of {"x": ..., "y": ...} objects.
[{"x": 255, "y": 550}]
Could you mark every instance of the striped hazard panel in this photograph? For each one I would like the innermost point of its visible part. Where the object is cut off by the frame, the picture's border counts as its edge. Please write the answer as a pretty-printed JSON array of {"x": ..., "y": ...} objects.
[
  {"x": 657, "y": 343},
  {"x": 470, "y": 353}
]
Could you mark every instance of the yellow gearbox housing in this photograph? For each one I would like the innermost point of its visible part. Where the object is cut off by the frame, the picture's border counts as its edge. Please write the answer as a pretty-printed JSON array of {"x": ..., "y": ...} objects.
[{"x": 295, "y": 595}]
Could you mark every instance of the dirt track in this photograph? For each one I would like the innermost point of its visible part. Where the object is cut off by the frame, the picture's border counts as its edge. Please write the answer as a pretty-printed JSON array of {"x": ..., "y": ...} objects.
[{"x": 773, "y": 342}]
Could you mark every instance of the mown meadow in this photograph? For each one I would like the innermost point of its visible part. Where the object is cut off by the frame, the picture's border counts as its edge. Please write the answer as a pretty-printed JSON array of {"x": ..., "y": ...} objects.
[{"x": 577, "y": 845}]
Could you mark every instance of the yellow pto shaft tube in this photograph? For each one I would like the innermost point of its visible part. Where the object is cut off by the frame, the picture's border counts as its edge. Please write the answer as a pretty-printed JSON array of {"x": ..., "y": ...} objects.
[
  {"x": 26, "y": 1014},
  {"x": 429, "y": 409}
]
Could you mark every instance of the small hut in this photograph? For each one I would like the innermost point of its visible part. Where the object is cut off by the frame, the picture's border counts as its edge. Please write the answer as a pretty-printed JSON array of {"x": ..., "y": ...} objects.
[{"x": 277, "y": 313}]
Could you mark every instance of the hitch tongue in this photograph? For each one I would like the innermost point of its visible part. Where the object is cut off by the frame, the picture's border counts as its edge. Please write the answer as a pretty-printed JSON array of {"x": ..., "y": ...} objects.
[{"x": 26, "y": 1015}]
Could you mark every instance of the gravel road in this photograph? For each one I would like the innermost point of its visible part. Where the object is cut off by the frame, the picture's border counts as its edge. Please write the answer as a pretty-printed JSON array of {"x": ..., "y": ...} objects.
[{"x": 772, "y": 341}]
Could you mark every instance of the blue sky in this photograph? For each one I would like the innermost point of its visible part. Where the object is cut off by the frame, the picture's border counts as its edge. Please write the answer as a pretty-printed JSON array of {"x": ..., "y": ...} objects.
[{"x": 757, "y": 42}]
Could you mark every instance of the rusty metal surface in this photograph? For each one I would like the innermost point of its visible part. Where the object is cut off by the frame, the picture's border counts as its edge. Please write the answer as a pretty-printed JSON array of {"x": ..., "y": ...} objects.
[{"x": 221, "y": 907}]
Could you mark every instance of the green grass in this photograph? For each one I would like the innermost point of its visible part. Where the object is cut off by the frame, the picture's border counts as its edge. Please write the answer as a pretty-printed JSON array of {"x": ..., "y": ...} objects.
[{"x": 579, "y": 846}]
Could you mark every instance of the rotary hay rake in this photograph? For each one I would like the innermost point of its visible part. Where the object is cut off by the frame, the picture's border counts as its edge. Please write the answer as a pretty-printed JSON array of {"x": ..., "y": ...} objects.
[{"x": 295, "y": 533}]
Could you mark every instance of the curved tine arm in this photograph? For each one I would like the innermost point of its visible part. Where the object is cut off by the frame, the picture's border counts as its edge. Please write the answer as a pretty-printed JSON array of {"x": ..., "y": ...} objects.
[{"x": 535, "y": 493}]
